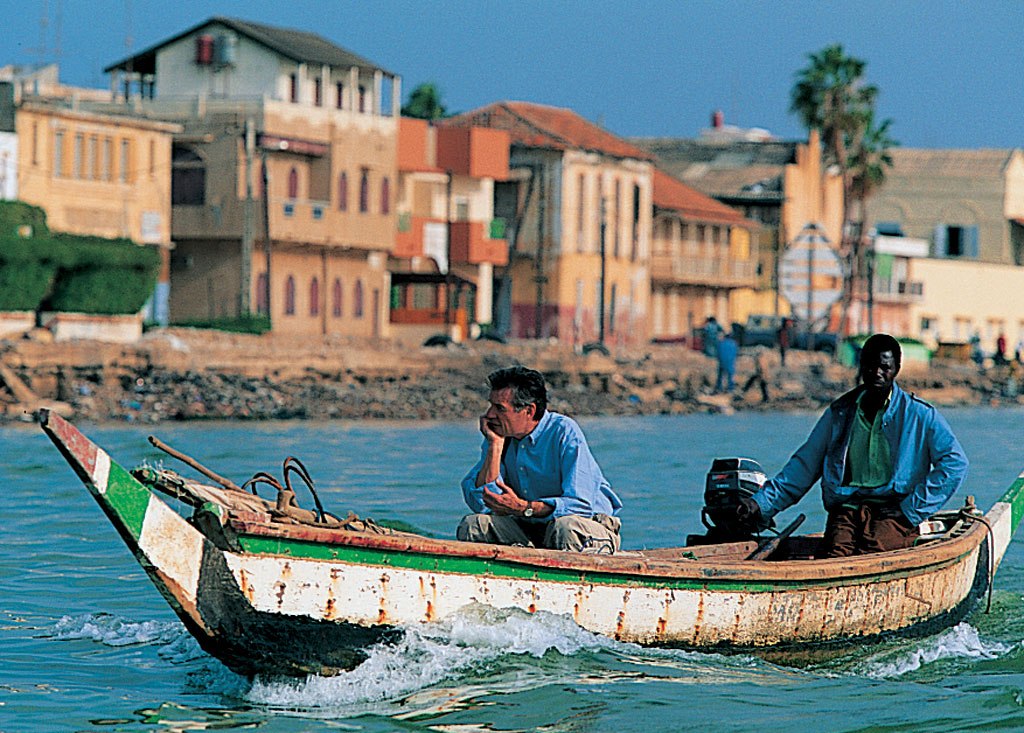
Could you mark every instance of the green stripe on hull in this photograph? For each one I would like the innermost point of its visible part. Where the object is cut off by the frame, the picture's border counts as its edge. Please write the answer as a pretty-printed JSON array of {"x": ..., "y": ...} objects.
[
  {"x": 484, "y": 568},
  {"x": 127, "y": 498},
  {"x": 1014, "y": 496}
]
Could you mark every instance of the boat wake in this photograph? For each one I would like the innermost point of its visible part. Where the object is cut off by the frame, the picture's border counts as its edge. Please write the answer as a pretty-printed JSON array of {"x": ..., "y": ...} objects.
[
  {"x": 170, "y": 638},
  {"x": 962, "y": 643}
]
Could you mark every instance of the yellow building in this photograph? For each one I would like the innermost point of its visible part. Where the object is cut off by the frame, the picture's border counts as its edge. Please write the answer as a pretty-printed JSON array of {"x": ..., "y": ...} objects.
[
  {"x": 703, "y": 254},
  {"x": 579, "y": 242},
  {"x": 309, "y": 247}
]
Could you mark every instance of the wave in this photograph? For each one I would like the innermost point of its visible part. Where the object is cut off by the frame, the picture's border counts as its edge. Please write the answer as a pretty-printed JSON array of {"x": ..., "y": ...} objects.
[{"x": 960, "y": 643}]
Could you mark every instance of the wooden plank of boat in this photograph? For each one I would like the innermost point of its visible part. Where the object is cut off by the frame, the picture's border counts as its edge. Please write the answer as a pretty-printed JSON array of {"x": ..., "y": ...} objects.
[{"x": 266, "y": 596}]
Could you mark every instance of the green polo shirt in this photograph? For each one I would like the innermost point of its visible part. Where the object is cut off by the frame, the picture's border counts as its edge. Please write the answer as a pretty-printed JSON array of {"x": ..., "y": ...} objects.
[{"x": 868, "y": 456}]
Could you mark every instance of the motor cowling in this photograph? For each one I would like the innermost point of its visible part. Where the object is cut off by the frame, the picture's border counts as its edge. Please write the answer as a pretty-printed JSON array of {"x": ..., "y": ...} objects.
[{"x": 729, "y": 480}]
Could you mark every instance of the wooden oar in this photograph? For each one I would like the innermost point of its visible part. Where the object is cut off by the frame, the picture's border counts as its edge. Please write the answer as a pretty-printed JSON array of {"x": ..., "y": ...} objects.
[
  {"x": 226, "y": 483},
  {"x": 768, "y": 546}
]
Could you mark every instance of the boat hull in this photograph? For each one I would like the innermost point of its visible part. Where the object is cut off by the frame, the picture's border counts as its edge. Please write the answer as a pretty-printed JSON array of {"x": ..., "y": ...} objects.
[{"x": 299, "y": 600}]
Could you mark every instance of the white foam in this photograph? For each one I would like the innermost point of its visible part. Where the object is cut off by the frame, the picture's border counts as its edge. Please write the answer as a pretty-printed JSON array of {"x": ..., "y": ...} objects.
[
  {"x": 960, "y": 642},
  {"x": 114, "y": 631},
  {"x": 466, "y": 644}
]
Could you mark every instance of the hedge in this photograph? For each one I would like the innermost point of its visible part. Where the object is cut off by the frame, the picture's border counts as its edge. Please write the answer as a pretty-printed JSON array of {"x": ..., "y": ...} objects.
[
  {"x": 76, "y": 274},
  {"x": 15, "y": 214}
]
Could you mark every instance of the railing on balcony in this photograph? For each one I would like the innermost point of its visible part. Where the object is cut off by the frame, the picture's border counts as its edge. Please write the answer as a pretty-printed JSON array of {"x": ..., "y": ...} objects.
[
  {"x": 721, "y": 271},
  {"x": 899, "y": 291}
]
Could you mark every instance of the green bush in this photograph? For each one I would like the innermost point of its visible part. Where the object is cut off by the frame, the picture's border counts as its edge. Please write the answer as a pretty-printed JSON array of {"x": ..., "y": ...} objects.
[
  {"x": 14, "y": 214},
  {"x": 244, "y": 324},
  {"x": 76, "y": 274}
]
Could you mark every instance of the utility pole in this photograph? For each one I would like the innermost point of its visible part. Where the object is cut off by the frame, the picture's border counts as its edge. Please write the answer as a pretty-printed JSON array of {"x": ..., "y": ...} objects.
[
  {"x": 245, "y": 304},
  {"x": 538, "y": 263},
  {"x": 604, "y": 273},
  {"x": 448, "y": 255},
  {"x": 266, "y": 230}
]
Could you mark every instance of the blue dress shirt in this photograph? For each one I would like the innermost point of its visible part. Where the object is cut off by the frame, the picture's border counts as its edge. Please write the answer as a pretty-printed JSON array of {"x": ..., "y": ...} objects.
[{"x": 552, "y": 464}]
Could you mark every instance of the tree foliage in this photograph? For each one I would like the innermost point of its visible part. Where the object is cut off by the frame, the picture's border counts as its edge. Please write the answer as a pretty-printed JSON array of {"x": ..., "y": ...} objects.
[{"x": 425, "y": 103}]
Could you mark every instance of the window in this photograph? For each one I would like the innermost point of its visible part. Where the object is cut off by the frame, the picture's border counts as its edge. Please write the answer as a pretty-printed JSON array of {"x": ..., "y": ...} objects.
[
  {"x": 293, "y": 183},
  {"x": 106, "y": 155},
  {"x": 611, "y": 308},
  {"x": 362, "y": 98},
  {"x": 314, "y": 297},
  {"x": 35, "y": 143},
  {"x": 78, "y": 167},
  {"x": 364, "y": 191},
  {"x": 956, "y": 241},
  {"x": 293, "y": 87},
  {"x": 318, "y": 92},
  {"x": 617, "y": 226},
  {"x": 188, "y": 177},
  {"x": 124, "y": 174},
  {"x": 357, "y": 306},
  {"x": 152, "y": 158},
  {"x": 336, "y": 298},
  {"x": 580, "y": 211},
  {"x": 289, "y": 296},
  {"x": 343, "y": 191},
  {"x": 58, "y": 153},
  {"x": 339, "y": 99},
  {"x": 261, "y": 293},
  {"x": 385, "y": 196},
  {"x": 635, "y": 245}
]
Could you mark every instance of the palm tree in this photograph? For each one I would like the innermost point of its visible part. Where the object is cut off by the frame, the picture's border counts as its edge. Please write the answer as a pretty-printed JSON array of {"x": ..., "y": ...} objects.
[
  {"x": 869, "y": 160},
  {"x": 832, "y": 96},
  {"x": 425, "y": 103}
]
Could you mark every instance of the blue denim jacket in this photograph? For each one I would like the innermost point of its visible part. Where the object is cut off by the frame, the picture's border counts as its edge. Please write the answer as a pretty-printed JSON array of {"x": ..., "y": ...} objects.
[{"x": 928, "y": 462}]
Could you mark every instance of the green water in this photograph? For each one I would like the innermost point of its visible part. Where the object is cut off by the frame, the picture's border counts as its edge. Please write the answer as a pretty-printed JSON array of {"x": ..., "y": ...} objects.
[{"x": 87, "y": 644}]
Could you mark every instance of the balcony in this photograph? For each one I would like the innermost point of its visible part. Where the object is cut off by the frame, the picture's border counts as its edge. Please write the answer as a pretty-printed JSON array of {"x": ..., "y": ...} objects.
[
  {"x": 473, "y": 242},
  {"x": 712, "y": 271},
  {"x": 898, "y": 291}
]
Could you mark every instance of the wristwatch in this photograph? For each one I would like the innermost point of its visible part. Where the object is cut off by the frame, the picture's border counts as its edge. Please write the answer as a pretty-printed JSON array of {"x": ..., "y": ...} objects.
[{"x": 528, "y": 511}]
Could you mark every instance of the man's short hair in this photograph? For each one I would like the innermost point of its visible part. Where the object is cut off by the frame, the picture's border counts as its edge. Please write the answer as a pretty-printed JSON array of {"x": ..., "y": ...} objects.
[
  {"x": 527, "y": 386},
  {"x": 879, "y": 343}
]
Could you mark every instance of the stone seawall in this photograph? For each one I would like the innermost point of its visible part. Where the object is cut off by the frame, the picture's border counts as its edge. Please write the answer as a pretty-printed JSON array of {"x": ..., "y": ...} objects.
[{"x": 180, "y": 374}]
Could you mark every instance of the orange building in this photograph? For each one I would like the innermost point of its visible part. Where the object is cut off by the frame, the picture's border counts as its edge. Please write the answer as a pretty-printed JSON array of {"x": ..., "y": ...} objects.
[
  {"x": 580, "y": 227},
  {"x": 283, "y": 181},
  {"x": 703, "y": 252},
  {"x": 448, "y": 241}
]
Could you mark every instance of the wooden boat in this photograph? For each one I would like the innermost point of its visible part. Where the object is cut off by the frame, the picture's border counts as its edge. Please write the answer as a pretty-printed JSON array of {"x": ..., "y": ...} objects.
[{"x": 268, "y": 588}]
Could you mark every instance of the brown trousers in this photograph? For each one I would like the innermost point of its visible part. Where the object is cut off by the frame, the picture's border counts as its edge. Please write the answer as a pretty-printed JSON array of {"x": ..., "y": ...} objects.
[{"x": 858, "y": 530}]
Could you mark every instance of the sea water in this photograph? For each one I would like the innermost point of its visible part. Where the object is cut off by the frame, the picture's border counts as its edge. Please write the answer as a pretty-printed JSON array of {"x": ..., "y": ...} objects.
[{"x": 87, "y": 643}]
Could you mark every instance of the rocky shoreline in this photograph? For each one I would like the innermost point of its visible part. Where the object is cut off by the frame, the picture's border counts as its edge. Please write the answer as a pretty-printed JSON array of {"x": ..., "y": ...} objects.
[{"x": 180, "y": 374}]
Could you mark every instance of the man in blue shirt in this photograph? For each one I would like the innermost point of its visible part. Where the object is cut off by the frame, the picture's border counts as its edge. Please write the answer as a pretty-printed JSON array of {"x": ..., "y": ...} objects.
[
  {"x": 536, "y": 483},
  {"x": 887, "y": 461}
]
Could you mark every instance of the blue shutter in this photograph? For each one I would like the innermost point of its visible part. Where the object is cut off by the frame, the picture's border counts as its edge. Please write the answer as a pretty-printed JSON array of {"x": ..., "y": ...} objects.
[
  {"x": 941, "y": 248},
  {"x": 971, "y": 242}
]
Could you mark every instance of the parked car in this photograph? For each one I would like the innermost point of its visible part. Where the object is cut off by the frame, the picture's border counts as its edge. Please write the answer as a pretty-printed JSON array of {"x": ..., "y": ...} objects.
[{"x": 763, "y": 329}]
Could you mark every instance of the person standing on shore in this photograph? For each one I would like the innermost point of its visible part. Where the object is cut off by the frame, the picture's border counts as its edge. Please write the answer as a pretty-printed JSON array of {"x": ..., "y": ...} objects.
[
  {"x": 712, "y": 332},
  {"x": 536, "y": 483},
  {"x": 760, "y": 375},
  {"x": 782, "y": 339},
  {"x": 887, "y": 461},
  {"x": 727, "y": 352}
]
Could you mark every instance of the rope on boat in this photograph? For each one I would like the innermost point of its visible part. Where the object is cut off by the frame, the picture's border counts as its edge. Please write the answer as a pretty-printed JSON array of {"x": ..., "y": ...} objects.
[
  {"x": 970, "y": 512},
  {"x": 294, "y": 465}
]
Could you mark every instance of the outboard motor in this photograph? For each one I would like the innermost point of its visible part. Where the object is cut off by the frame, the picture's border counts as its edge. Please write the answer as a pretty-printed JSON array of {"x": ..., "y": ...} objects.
[{"x": 728, "y": 480}]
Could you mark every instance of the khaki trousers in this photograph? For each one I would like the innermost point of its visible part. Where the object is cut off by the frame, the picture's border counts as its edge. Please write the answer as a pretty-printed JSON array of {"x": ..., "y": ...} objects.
[{"x": 599, "y": 535}]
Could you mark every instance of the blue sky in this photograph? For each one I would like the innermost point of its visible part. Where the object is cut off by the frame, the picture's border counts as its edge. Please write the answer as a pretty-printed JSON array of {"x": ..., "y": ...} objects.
[{"x": 951, "y": 74}]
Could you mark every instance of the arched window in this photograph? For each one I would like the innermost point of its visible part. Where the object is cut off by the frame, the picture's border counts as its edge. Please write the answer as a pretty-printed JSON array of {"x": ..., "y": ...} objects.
[
  {"x": 385, "y": 196},
  {"x": 357, "y": 308},
  {"x": 362, "y": 98},
  {"x": 261, "y": 293},
  {"x": 364, "y": 191},
  {"x": 336, "y": 298},
  {"x": 289, "y": 296},
  {"x": 343, "y": 191},
  {"x": 314, "y": 297},
  {"x": 293, "y": 184}
]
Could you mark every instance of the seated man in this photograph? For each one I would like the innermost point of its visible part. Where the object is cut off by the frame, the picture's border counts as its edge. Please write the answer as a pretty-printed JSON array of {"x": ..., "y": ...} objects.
[
  {"x": 536, "y": 483},
  {"x": 886, "y": 459}
]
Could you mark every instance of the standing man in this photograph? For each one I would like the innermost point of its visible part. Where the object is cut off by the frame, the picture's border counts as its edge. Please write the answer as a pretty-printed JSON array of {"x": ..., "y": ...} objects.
[
  {"x": 727, "y": 352},
  {"x": 886, "y": 459},
  {"x": 536, "y": 483},
  {"x": 783, "y": 339},
  {"x": 712, "y": 332}
]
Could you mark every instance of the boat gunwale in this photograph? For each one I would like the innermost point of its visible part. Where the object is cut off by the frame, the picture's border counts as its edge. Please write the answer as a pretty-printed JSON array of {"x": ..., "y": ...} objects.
[{"x": 925, "y": 558}]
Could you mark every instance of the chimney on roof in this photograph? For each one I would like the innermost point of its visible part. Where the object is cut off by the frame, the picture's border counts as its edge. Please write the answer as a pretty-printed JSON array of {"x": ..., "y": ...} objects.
[{"x": 717, "y": 119}]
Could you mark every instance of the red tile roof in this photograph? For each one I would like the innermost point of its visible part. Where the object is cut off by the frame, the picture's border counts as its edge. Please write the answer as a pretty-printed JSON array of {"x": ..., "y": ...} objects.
[
  {"x": 541, "y": 126},
  {"x": 670, "y": 193}
]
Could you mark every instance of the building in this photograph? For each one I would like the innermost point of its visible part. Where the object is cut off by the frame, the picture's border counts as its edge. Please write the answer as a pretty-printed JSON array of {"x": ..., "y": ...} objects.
[
  {"x": 782, "y": 185},
  {"x": 947, "y": 247},
  {"x": 99, "y": 172},
  {"x": 283, "y": 179},
  {"x": 449, "y": 241},
  {"x": 580, "y": 227},
  {"x": 702, "y": 254}
]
